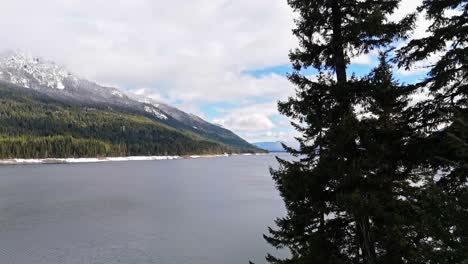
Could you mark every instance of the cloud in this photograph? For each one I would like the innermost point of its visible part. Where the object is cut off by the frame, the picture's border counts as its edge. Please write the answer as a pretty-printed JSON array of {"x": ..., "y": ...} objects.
[
  {"x": 363, "y": 59},
  {"x": 199, "y": 48},
  {"x": 187, "y": 53},
  {"x": 259, "y": 122},
  {"x": 229, "y": 86},
  {"x": 253, "y": 122},
  {"x": 407, "y": 7},
  {"x": 287, "y": 137},
  {"x": 251, "y": 118}
]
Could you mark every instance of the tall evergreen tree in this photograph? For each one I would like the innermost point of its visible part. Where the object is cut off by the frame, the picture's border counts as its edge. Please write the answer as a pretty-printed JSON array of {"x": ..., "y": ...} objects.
[
  {"x": 444, "y": 119},
  {"x": 384, "y": 132},
  {"x": 328, "y": 192}
]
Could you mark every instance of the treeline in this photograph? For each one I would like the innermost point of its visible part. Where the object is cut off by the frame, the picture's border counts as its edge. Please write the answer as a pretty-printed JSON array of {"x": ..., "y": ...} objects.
[
  {"x": 29, "y": 147},
  {"x": 32, "y": 127}
]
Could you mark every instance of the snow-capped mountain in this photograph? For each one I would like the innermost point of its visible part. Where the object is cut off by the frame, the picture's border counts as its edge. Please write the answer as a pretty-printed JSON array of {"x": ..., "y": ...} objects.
[
  {"x": 32, "y": 72},
  {"x": 50, "y": 79},
  {"x": 47, "y": 77}
]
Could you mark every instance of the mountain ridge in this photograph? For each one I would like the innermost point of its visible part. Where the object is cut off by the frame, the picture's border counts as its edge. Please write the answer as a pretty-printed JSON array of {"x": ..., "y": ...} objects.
[{"x": 36, "y": 77}]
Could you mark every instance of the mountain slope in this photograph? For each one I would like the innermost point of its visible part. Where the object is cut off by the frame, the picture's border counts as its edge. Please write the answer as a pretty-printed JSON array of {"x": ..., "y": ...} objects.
[
  {"x": 36, "y": 126},
  {"x": 41, "y": 99},
  {"x": 194, "y": 124}
]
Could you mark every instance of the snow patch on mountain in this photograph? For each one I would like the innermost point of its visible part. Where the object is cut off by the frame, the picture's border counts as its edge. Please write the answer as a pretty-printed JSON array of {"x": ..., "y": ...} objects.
[
  {"x": 155, "y": 112},
  {"x": 117, "y": 93},
  {"x": 33, "y": 72}
]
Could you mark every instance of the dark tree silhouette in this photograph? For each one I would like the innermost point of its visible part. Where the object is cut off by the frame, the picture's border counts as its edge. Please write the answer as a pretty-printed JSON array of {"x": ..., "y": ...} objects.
[
  {"x": 334, "y": 191},
  {"x": 444, "y": 120}
]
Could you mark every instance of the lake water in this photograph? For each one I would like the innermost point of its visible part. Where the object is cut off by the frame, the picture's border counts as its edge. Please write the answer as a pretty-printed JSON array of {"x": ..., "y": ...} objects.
[{"x": 196, "y": 211}]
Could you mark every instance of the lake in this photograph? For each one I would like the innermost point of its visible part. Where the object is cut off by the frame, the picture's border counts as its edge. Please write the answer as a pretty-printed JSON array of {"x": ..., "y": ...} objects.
[{"x": 197, "y": 211}]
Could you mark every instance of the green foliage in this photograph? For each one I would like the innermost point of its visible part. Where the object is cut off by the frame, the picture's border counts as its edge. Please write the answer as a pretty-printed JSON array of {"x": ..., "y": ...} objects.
[
  {"x": 31, "y": 147},
  {"x": 30, "y": 118},
  {"x": 443, "y": 121},
  {"x": 342, "y": 197},
  {"x": 389, "y": 186},
  {"x": 448, "y": 76},
  {"x": 331, "y": 32}
]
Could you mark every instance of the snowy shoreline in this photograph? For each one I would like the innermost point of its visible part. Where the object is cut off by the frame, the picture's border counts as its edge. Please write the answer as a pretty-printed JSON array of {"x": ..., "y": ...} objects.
[{"x": 110, "y": 159}]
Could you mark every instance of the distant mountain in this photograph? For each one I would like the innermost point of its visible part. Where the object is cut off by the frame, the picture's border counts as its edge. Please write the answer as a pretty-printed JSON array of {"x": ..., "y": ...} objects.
[
  {"x": 50, "y": 93},
  {"x": 270, "y": 146}
]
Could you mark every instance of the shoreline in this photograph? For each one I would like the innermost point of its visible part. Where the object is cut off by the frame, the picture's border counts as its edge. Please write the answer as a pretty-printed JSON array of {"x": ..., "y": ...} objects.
[{"x": 113, "y": 159}]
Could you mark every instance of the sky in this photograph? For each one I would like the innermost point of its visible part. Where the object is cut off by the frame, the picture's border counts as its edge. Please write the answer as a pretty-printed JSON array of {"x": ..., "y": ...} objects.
[{"x": 223, "y": 60}]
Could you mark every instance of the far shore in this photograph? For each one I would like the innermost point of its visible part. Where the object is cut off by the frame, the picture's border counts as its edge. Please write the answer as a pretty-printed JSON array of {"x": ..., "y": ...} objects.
[{"x": 110, "y": 159}]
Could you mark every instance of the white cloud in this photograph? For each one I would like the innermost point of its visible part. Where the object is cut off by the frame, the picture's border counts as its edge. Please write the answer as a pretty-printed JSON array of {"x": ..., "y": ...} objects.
[
  {"x": 252, "y": 122},
  {"x": 189, "y": 52},
  {"x": 146, "y": 92},
  {"x": 259, "y": 122},
  {"x": 363, "y": 59},
  {"x": 199, "y": 48},
  {"x": 229, "y": 86},
  {"x": 287, "y": 137},
  {"x": 251, "y": 118},
  {"x": 407, "y": 7}
]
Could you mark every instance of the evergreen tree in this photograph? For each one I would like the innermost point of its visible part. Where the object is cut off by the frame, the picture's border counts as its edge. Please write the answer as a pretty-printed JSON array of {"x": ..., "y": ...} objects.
[
  {"x": 384, "y": 132},
  {"x": 448, "y": 77},
  {"x": 329, "y": 193},
  {"x": 444, "y": 121},
  {"x": 34, "y": 126}
]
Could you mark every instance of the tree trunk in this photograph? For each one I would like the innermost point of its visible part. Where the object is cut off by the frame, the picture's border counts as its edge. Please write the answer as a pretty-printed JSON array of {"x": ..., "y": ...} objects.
[
  {"x": 367, "y": 244},
  {"x": 338, "y": 49},
  {"x": 362, "y": 222}
]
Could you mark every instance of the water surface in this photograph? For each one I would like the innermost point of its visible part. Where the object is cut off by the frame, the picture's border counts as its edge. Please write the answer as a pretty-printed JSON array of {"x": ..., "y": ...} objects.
[{"x": 200, "y": 211}]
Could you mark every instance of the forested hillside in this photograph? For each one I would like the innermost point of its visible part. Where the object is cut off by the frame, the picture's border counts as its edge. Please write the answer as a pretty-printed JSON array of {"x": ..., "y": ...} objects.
[
  {"x": 19, "y": 70},
  {"x": 33, "y": 125}
]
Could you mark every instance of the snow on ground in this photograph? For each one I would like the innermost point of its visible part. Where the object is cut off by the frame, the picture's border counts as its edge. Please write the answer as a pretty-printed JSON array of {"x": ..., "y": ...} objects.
[
  {"x": 108, "y": 159},
  {"x": 155, "y": 112},
  {"x": 117, "y": 93}
]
